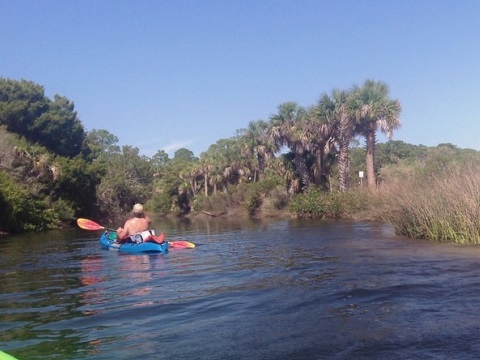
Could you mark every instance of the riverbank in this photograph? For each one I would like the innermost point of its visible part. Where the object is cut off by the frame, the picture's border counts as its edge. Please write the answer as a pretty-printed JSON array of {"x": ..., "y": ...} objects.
[{"x": 444, "y": 208}]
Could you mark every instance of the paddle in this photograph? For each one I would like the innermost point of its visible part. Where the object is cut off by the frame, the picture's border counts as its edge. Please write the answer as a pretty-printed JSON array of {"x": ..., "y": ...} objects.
[
  {"x": 5, "y": 356},
  {"x": 90, "y": 225},
  {"x": 87, "y": 224}
]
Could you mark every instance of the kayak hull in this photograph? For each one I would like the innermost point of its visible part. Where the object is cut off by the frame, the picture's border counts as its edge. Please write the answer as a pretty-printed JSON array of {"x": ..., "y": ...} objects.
[{"x": 132, "y": 248}]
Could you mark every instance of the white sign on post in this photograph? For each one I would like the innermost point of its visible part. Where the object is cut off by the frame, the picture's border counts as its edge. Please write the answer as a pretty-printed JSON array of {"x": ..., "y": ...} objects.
[{"x": 360, "y": 174}]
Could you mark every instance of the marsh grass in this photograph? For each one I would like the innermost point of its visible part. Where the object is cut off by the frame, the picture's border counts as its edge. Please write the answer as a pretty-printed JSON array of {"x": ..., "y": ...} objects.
[{"x": 440, "y": 208}]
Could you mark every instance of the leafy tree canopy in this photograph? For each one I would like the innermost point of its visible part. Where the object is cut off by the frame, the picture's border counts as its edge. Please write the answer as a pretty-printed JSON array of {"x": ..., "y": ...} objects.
[
  {"x": 184, "y": 154},
  {"x": 25, "y": 110},
  {"x": 98, "y": 142}
]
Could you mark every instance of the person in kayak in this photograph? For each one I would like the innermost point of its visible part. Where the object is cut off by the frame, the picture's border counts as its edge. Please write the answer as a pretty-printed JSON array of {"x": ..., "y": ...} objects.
[{"x": 138, "y": 222}]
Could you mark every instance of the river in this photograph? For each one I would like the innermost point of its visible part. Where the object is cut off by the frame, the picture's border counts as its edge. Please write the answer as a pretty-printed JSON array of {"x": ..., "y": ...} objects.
[{"x": 278, "y": 289}]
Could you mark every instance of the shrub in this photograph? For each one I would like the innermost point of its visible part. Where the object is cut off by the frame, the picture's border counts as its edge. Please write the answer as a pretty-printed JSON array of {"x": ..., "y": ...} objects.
[
  {"x": 217, "y": 203},
  {"x": 21, "y": 211},
  {"x": 279, "y": 197},
  {"x": 315, "y": 204},
  {"x": 318, "y": 204},
  {"x": 160, "y": 204},
  {"x": 253, "y": 202}
]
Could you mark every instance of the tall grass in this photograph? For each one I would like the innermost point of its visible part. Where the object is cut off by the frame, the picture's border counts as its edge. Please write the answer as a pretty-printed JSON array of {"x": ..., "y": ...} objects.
[{"x": 440, "y": 208}]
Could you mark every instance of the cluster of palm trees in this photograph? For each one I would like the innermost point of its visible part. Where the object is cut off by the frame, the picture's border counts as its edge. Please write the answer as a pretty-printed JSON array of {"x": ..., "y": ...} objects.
[{"x": 316, "y": 137}]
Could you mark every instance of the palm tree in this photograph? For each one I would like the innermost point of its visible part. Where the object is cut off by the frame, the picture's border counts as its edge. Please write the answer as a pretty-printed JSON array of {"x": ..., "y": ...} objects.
[
  {"x": 334, "y": 108},
  {"x": 317, "y": 136},
  {"x": 258, "y": 143},
  {"x": 373, "y": 110},
  {"x": 207, "y": 162},
  {"x": 284, "y": 130},
  {"x": 222, "y": 164}
]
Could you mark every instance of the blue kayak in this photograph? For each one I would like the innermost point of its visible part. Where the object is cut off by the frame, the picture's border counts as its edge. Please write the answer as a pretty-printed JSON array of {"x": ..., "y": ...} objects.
[{"x": 107, "y": 241}]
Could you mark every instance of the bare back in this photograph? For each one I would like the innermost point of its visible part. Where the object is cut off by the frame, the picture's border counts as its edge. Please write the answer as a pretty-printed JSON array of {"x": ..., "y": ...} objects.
[
  {"x": 133, "y": 226},
  {"x": 136, "y": 225}
]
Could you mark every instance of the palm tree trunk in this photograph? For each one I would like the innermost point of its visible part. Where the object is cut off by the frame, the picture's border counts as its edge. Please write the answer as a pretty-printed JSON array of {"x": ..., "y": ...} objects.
[
  {"x": 261, "y": 166},
  {"x": 302, "y": 170},
  {"x": 206, "y": 183},
  {"x": 370, "y": 159},
  {"x": 320, "y": 178},
  {"x": 345, "y": 136},
  {"x": 344, "y": 166}
]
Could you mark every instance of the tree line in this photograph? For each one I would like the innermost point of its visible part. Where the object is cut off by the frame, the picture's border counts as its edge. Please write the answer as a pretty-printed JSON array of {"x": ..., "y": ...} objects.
[{"x": 52, "y": 170}]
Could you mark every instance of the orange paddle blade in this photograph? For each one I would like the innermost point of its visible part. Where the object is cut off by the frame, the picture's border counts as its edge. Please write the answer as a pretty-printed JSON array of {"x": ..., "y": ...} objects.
[
  {"x": 88, "y": 224},
  {"x": 181, "y": 244}
]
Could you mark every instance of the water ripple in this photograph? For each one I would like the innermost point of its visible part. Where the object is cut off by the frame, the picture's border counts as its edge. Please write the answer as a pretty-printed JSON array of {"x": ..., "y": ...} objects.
[{"x": 278, "y": 290}]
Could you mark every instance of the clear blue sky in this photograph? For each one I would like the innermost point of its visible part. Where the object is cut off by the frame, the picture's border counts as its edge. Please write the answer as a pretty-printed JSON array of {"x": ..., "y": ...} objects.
[{"x": 186, "y": 73}]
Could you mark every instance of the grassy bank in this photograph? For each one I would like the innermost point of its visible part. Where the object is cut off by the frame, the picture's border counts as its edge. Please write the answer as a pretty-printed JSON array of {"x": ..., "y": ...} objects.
[{"x": 440, "y": 208}]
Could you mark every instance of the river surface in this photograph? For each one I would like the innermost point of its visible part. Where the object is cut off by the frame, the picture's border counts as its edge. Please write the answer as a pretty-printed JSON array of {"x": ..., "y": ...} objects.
[{"x": 281, "y": 289}]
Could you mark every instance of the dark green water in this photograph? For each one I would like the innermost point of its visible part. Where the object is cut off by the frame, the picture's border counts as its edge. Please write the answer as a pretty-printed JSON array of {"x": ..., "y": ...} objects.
[{"x": 249, "y": 290}]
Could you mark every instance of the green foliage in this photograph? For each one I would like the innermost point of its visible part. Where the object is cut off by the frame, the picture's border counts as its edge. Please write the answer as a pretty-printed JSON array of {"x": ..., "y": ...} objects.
[
  {"x": 98, "y": 143},
  {"x": 21, "y": 102},
  {"x": 255, "y": 193},
  {"x": 315, "y": 205},
  {"x": 160, "y": 160},
  {"x": 21, "y": 211},
  {"x": 68, "y": 173},
  {"x": 127, "y": 181},
  {"x": 265, "y": 186},
  {"x": 64, "y": 209},
  {"x": 253, "y": 202},
  {"x": 25, "y": 110},
  {"x": 58, "y": 128},
  {"x": 392, "y": 152},
  {"x": 218, "y": 203},
  {"x": 439, "y": 161},
  {"x": 319, "y": 205},
  {"x": 279, "y": 197},
  {"x": 160, "y": 204},
  {"x": 184, "y": 154},
  {"x": 76, "y": 185}
]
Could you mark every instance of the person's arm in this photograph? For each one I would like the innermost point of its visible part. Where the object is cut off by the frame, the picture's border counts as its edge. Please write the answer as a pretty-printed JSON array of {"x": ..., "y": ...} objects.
[
  {"x": 122, "y": 232},
  {"x": 148, "y": 219}
]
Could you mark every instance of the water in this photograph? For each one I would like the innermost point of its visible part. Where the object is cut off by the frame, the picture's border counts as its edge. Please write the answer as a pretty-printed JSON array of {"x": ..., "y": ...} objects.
[{"x": 249, "y": 290}]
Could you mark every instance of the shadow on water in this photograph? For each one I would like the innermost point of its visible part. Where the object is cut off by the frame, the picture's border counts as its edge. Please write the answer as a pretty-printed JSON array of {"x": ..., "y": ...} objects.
[{"x": 286, "y": 289}]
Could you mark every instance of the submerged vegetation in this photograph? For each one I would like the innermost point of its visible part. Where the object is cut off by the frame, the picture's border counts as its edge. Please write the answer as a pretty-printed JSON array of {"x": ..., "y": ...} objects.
[{"x": 52, "y": 170}]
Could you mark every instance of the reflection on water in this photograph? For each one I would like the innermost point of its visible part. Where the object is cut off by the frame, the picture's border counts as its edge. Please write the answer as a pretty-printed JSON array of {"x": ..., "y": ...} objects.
[{"x": 249, "y": 290}]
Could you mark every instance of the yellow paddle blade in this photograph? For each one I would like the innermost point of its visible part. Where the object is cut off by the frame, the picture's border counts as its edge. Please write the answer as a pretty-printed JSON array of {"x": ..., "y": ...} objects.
[{"x": 88, "y": 224}]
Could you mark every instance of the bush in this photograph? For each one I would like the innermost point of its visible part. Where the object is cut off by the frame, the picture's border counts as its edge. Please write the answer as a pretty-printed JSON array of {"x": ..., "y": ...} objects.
[
  {"x": 314, "y": 205},
  {"x": 318, "y": 204},
  {"x": 160, "y": 204},
  {"x": 253, "y": 202},
  {"x": 279, "y": 197},
  {"x": 21, "y": 211},
  {"x": 217, "y": 203},
  {"x": 63, "y": 209}
]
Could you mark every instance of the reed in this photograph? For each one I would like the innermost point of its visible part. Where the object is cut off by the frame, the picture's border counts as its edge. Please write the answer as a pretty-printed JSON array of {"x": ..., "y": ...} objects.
[{"x": 441, "y": 207}]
